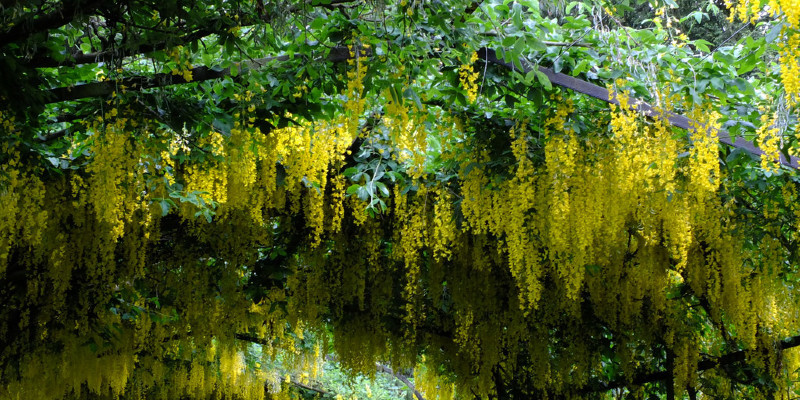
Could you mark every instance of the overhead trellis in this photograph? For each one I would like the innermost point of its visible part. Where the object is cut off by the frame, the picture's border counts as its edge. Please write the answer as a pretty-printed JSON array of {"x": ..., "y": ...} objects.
[
  {"x": 176, "y": 240},
  {"x": 341, "y": 54},
  {"x": 601, "y": 93}
]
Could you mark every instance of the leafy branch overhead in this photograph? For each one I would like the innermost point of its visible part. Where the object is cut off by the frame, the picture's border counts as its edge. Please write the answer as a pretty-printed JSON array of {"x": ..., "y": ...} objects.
[{"x": 474, "y": 199}]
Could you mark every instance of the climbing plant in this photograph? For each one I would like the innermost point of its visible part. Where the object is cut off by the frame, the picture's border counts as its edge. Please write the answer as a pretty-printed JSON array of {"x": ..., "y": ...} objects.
[{"x": 210, "y": 199}]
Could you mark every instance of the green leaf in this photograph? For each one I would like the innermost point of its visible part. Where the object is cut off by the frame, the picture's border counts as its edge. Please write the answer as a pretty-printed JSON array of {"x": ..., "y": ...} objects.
[
  {"x": 318, "y": 23},
  {"x": 743, "y": 85},
  {"x": 583, "y": 65},
  {"x": 738, "y": 152},
  {"x": 362, "y": 193},
  {"x": 350, "y": 171},
  {"x": 205, "y": 213},
  {"x": 702, "y": 45},
  {"x": 717, "y": 83},
  {"x": 570, "y": 6},
  {"x": 774, "y": 32},
  {"x": 528, "y": 79},
  {"x": 544, "y": 80},
  {"x": 382, "y": 189},
  {"x": 535, "y": 44},
  {"x": 518, "y": 48},
  {"x": 516, "y": 15},
  {"x": 394, "y": 176},
  {"x": 164, "y": 208},
  {"x": 747, "y": 65},
  {"x": 593, "y": 269},
  {"x": 411, "y": 94}
]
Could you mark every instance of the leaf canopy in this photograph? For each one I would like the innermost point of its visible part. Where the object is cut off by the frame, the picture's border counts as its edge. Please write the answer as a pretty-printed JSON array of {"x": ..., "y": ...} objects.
[{"x": 513, "y": 199}]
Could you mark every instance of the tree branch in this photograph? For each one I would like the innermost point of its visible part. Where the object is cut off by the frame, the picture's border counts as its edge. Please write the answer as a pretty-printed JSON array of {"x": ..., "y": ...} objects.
[
  {"x": 251, "y": 339},
  {"x": 703, "y": 365},
  {"x": 102, "y": 89},
  {"x": 199, "y": 74},
  {"x": 401, "y": 378},
  {"x": 42, "y": 61},
  {"x": 380, "y": 367},
  {"x": 308, "y": 387},
  {"x": 30, "y": 24}
]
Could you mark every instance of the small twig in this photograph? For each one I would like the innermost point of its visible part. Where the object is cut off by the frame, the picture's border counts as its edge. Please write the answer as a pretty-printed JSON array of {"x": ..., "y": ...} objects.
[
  {"x": 720, "y": 45},
  {"x": 568, "y": 46}
]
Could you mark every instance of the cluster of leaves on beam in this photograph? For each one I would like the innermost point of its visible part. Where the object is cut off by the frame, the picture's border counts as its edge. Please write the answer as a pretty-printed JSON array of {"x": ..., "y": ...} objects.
[{"x": 191, "y": 191}]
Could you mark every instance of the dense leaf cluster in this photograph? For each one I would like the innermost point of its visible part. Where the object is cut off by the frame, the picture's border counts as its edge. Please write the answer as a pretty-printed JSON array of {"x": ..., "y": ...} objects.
[{"x": 199, "y": 198}]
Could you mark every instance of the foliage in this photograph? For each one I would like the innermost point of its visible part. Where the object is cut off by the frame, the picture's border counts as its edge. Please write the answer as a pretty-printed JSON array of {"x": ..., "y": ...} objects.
[{"x": 199, "y": 199}]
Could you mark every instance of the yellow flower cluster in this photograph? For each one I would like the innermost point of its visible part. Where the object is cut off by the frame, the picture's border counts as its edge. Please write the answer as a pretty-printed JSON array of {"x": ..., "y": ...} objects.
[
  {"x": 444, "y": 231},
  {"x": 212, "y": 179},
  {"x": 431, "y": 385},
  {"x": 523, "y": 260},
  {"x": 790, "y": 66},
  {"x": 769, "y": 141},
  {"x": 407, "y": 129},
  {"x": 789, "y": 12},
  {"x": 614, "y": 221},
  {"x": 336, "y": 204},
  {"x": 104, "y": 251},
  {"x": 704, "y": 161},
  {"x": 789, "y": 8},
  {"x": 560, "y": 159},
  {"x": 242, "y": 162},
  {"x": 354, "y": 106},
  {"x": 183, "y": 66},
  {"x": 10, "y": 188},
  {"x": 469, "y": 77},
  {"x": 475, "y": 198},
  {"x": 412, "y": 238},
  {"x": 113, "y": 179},
  {"x": 744, "y": 10}
]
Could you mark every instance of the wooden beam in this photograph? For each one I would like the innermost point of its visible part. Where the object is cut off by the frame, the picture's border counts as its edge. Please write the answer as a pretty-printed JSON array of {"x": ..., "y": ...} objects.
[
  {"x": 340, "y": 54},
  {"x": 601, "y": 93}
]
